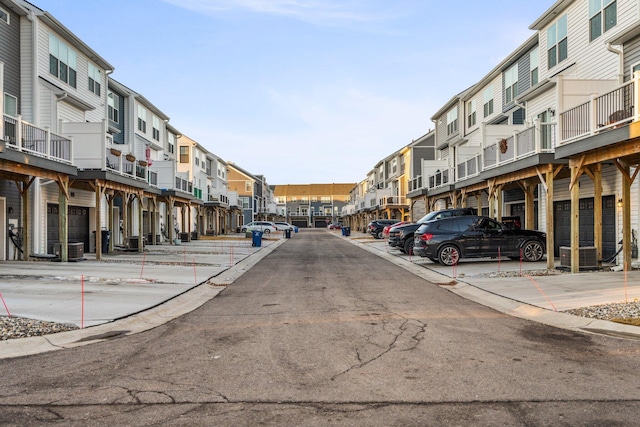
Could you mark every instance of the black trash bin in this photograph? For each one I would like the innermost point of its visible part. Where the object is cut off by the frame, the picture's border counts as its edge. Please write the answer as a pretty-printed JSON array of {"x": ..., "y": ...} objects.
[
  {"x": 347, "y": 231},
  {"x": 106, "y": 238},
  {"x": 287, "y": 233}
]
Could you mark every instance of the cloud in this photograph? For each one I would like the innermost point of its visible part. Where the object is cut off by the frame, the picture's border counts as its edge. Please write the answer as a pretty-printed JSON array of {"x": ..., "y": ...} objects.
[{"x": 306, "y": 10}]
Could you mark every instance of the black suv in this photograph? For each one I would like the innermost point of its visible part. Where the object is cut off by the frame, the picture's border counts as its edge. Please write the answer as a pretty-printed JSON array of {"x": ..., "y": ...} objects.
[
  {"x": 376, "y": 226},
  {"x": 448, "y": 240},
  {"x": 402, "y": 236}
]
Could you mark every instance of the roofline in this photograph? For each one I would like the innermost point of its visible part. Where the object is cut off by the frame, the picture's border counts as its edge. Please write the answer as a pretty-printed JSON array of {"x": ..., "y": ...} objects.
[{"x": 551, "y": 14}]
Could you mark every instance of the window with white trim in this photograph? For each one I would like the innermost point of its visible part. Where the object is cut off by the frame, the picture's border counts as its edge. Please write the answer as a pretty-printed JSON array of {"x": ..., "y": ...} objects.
[
  {"x": 142, "y": 119},
  {"x": 95, "y": 79},
  {"x": 557, "y": 42},
  {"x": 113, "y": 101},
  {"x": 10, "y": 105},
  {"x": 603, "y": 16},
  {"x": 471, "y": 113},
  {"x": 248, "y": 186},
  {"x": 4, "y": 16},
  {"x": 452, "y": 121},
  {"x": 534, "y": 65},
  {"x": 325, "y": 199},
  {"x": 487, "y": 98},
  {"x": 184, "y": 154},
  {"x": 156, "y": 128},
  {"x": 171, "y": 143},
  {"x": 62, "y": 61},
  {"x": 511, "y": 84}
]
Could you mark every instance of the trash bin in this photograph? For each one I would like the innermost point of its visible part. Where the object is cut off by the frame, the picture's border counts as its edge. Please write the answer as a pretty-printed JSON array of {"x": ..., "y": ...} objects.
[
  {"x": 295, "y": 228},
  {"x": 287, "y": 233},
  {"x": 256, "y": 238},
  {"x": 346, "y": 231},
  {"x": 106, "y": 237}
]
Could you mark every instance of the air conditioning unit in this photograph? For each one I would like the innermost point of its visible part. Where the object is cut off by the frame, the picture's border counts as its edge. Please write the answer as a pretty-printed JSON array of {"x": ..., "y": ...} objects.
[{"x": 587, "y": 257}]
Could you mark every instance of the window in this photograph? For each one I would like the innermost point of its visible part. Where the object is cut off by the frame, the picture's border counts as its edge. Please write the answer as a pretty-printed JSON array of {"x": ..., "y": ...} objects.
[
  {"x": 534, "y": 63},
  {"x": 197, "y": 161},
  {"x": 557, "y": 44},
  {"x": 452, "y": 121},
  {"x": 156, "y": 128},
  {"x": 471, "y": 113},
  {"x": 62, "y": 61},
  {"x": 244, "y": 201},
  {"x": 114, "y": 106},
  {"x": 95, "y": 79},
  {"x": 488, "y": 101},
  {"x": 4, "y": 16},
  {"x": 247, "y": 186},
  {"x": 10, "y": 105},
  {"x": 184, "y": 154},
  {"x": 603, "y": 15},
  {"x": 171, "y": 143},
  {"x": 511, "y": 84},
  {"x": 142, "y": 119}
]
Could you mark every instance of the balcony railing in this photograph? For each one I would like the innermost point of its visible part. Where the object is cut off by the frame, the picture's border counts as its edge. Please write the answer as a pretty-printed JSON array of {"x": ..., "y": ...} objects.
[
  {"x": 184, "y": 185},
  {"x": 25, "y": 137},
  {"x": 440, "y": 178},
  {"x": 393, "y": 200},
  {"x": 469, "y": 168},
  {"x": 534, "y": 140},
  {"x": 602, "y": 112},
  {"x": 416, "y": 183}
]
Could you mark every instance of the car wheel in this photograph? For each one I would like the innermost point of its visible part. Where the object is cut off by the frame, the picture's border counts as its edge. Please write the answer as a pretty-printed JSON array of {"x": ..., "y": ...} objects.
[
  {"x": 532, "y": 251},
  {"x": 266, "y": 231},
  {"x": 379, "y": 234},
  {"x": 449, "y": 255},
  {"x": 408, "y": 246}
]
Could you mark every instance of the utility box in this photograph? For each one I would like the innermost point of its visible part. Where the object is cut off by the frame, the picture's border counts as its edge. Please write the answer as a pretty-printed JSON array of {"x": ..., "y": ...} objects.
[{"x": 75, "y": 251}]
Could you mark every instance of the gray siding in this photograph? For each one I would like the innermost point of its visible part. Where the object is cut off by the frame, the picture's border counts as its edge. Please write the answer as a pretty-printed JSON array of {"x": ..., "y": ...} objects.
[
  {"x": 10, "y": 53},
  {"x": 631, "y": 57}
]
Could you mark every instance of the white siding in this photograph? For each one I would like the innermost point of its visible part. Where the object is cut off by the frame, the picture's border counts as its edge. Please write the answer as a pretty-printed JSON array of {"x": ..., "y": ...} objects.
[
  {"x": 82, "y": 77},
  {"x": 593, "y": 60}
]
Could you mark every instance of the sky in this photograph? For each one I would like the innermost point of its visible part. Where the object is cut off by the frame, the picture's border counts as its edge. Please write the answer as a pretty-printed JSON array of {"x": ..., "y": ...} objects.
[{"x": 300, "y": 91}]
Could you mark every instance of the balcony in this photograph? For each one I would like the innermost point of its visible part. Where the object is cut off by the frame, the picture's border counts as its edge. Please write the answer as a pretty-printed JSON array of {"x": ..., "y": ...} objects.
[
  {"x": 25, "y": 137},
  {"x": 393, "y": 201},
  {"x": 415, "y": 184},
  {"x": 608, "y": 111},
  {"x": 183, "y": 185},
  {"x": 540, "y": 138},
  {"x": 440, "y": 179}
]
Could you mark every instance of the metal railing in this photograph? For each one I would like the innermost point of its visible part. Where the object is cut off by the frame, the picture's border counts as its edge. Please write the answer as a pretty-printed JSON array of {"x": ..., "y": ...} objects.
[
  {"x": 539, "y": 138},
  {"x": 440, "y": 178},
  {"x": 25, "y": 137},
  {"x": 606, "y": 111},
  {"x": 393, "y": 200}
]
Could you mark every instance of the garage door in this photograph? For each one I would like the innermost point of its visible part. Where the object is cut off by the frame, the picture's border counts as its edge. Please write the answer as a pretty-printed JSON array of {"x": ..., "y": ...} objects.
[
  {"x": 300, "y": 223},
  {"x": 78, "y": 226},
  {"x": 518, "y": 210},
  {"x": 562, "y": 225}
]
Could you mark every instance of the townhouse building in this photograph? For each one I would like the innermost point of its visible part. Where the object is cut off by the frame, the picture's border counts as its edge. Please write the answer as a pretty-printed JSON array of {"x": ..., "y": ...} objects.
[
  {"x": 86, "y": 163},
  {"x": 248, "y": 188},
  {"x": 312, "y": 205},
  {"x": 550, "y": 134}
]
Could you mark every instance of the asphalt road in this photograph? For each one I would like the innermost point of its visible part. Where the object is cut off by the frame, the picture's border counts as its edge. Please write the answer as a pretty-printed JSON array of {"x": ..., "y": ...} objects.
[{"x": 322, "y": 333}]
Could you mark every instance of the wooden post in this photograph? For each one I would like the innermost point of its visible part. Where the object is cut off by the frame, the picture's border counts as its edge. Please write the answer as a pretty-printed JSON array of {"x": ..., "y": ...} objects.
[
  {"x": 597, "y": 209},
  {"x": 575, "y": 219},
  {"x": 140, "y": 203},
  {"x": 98, "y": 195},
  {"x": 63, "y": 223},
  {"x": 550, "y": 214}
]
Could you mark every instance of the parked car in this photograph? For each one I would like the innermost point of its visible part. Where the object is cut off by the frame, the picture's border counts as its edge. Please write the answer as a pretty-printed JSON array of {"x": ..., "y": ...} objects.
[
  {"x": 448, "y": 240},
  {"x": 334, "y": 226},
  {"x": 265, "y": 226},
  {"x": 282, "y": 226},
  {"x": 512, "y": 221},
  {"x": 376, "y": 226},
  {"x": 385, "y": 230},
  {"x": 402, "y": 237}
]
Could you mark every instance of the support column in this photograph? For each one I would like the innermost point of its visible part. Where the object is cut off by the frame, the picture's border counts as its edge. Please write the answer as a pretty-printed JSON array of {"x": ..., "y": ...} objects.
[
  {"x": 140, "y": 203},
  {"x": 98, "y": 189},
  {"x": 550, "y": 214},
  {"x": 575, "y": 219},
  {"x": 63, "y": 222},
  {"x": 597, "y": 209}
]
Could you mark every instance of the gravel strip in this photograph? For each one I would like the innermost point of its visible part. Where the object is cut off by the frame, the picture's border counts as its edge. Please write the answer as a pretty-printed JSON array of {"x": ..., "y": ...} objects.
[
  {"x": 622, "y": 310},
  {"x": 19, "y": 327}
]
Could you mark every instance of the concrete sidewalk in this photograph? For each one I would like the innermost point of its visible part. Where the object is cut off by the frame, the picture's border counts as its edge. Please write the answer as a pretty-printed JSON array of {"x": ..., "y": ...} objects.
[{"x": 526, "y": 290}]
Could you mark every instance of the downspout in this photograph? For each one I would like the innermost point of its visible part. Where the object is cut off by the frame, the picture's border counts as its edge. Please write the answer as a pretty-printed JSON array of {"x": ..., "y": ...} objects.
[{"x": 618, "y": 52}]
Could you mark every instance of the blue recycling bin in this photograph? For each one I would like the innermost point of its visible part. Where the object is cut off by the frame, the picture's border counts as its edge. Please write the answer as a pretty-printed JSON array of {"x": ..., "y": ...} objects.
[
  {"x": 295, "y": 228},
  {"x": 344, "y": 231},
  {"x": 256, "y": 238},
  {"x": 347, "y": 231}
]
